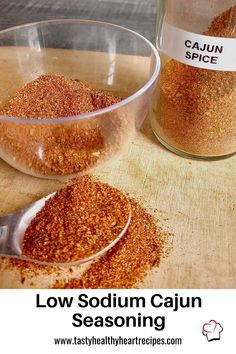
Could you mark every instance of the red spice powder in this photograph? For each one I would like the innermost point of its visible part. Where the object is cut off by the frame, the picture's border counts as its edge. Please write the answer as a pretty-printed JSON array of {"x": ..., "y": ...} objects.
[
  {"x": 61, "y": 148},
  {"x": 196, "y": 107},
  {"x": 129, "y": 260},
  {"x": 55, "y": 96},
  {"x": 125, "y": 265},
  {"x": 80, "y": 220}
]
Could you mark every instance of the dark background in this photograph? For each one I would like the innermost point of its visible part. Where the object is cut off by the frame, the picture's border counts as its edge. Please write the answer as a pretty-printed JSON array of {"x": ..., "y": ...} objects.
[{"x": 138, "y": 15}]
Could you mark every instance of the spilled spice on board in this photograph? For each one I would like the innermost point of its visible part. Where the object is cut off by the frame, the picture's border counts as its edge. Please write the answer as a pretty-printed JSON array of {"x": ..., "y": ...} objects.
[
  {"x": 80, "y": 220},
  {"x": 61, "y": 148},
  {"x": 196, "y": 108},
  {"x": 129, "y": 260}
]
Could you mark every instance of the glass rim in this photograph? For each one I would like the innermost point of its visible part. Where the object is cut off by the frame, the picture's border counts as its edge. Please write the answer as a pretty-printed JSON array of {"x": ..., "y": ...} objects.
[{"x": 120, "y": 104}]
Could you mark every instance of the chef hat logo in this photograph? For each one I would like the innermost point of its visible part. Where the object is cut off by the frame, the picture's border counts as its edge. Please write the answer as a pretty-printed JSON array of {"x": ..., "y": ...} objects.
[{"x": 212, "y": 330}]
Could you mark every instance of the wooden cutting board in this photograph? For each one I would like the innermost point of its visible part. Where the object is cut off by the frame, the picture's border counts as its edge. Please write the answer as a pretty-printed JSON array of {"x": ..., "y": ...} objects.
[{"x": 195, "y": 200}]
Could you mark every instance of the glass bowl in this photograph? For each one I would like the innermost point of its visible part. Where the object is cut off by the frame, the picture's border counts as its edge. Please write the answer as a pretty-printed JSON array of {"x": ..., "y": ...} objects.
[{"x": 104, "y": 56}]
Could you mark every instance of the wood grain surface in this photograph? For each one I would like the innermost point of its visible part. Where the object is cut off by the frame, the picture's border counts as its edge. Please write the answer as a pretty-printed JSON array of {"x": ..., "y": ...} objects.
[
  {"x": 138, "y": 15},
  {"x": 194, "y": 200}
]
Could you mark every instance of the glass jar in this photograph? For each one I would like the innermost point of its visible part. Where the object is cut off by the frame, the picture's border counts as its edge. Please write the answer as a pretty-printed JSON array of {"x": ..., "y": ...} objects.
[{"x": 195, "y": 112}]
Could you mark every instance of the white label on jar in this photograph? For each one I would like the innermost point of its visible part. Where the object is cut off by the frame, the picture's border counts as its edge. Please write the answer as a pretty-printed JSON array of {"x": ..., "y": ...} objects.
[{"x": 214, "y": 53}]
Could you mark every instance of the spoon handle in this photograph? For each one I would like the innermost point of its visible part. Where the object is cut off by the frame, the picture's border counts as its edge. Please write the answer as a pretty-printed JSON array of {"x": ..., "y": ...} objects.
[
  {"x": 13, "y": 226},
  {"x": 8, "y": 244}
]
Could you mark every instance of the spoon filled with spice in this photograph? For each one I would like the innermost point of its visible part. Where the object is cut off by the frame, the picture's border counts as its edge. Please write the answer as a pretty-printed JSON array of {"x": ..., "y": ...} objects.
[{"x": 75, "y": 225}]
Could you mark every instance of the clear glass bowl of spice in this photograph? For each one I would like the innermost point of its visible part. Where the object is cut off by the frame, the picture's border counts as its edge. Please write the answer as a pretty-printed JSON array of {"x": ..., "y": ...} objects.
[
  {"x": 195, "y": 112},
  {"x": 72, "y": 94}
]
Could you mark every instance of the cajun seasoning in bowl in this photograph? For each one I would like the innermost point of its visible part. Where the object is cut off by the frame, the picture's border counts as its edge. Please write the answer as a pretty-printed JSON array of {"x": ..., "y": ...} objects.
[{"x": 73, "y": 97}]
